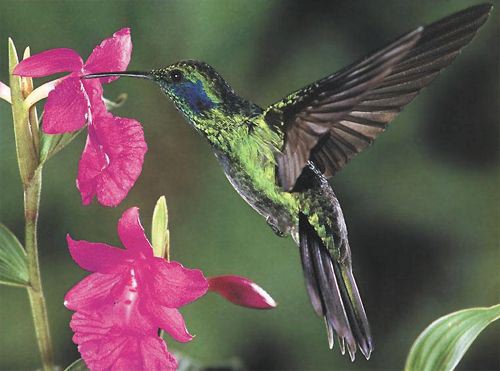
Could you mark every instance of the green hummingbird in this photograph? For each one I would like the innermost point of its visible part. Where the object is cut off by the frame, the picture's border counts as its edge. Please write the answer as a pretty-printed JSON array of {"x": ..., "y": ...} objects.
[{"x": 279, "y": 158}]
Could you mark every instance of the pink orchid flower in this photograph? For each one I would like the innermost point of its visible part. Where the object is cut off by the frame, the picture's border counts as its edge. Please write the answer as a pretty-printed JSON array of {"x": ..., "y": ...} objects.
[
  {"x": 131, "y": 294},
  {"x": 114, "y": 153}
]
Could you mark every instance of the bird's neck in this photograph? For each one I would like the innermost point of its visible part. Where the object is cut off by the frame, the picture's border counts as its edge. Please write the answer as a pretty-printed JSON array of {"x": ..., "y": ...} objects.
[{"x": 225, "y": 123}]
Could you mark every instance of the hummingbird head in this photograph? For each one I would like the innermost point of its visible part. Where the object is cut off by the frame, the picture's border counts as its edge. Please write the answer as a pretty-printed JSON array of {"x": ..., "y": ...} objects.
[{"x": 195, "y": 88}]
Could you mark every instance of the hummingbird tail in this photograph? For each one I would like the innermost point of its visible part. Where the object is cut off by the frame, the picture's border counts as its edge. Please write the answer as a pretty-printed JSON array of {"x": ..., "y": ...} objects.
[{"x": 334, "y": 293}]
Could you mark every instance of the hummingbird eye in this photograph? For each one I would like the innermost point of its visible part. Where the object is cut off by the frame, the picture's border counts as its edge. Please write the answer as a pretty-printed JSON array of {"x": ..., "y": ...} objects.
[{"x": 176, "y": 76}]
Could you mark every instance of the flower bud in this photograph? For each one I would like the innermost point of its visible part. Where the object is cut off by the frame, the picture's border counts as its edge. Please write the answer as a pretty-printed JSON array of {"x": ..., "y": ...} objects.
[{"x": 241, "y": 291}]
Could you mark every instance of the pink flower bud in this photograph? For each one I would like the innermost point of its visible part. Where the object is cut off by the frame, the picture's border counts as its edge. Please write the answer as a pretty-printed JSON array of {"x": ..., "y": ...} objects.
[{"x": 241, "y": 291}]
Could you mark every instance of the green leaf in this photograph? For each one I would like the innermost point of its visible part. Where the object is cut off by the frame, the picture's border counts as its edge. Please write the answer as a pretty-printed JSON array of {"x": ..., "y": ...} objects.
[
  {"x": 443, "y": 344},
  {"x": 159, "y": 229},
  {"x": 53, "y": 143},
  {"x": 13, "y": 263},
  {"x": 78, "y": 365}
]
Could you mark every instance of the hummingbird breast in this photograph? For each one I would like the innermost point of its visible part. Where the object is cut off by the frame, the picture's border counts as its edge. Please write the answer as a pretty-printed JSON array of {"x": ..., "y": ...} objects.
[{"x": 250, "y": 168}]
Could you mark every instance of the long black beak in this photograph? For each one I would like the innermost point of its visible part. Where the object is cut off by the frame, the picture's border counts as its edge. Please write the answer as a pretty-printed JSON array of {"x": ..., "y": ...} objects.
[{"x": 140, "y": 75}]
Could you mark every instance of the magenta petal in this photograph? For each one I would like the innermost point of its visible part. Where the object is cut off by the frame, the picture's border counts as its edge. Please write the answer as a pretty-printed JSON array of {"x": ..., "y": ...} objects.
[
  {"x": 155, "y": 355},
  {"x": 49, "y": 62},
  {"x": 92, "y": 291},
  {"x": 66, "y": 108},
  {"x": 169, "y": 319},
  {"x": 105, "y": 353},
  {"x": 173, "y": 285},
  {"x": 105, "y": 345},
  {"x": 91, "y": 164},
  {"x": 241, "y": 291},
  {"x": 93, "y": 88},
  {"x": 111, "y": 161},
  {"x": 132, "y": 234},
  {"x": 99, "y": 346},
  {"x": 113, "y": 54},
  {"x": 95, "y": 257}
]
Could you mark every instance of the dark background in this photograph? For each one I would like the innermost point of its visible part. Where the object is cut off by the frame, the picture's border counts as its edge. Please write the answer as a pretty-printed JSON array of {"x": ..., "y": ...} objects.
[{"x": 421, "y": 205}]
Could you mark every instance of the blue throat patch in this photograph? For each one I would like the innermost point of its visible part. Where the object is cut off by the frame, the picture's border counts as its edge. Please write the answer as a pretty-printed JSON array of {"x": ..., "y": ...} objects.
[{"x": 194, "y": 95}]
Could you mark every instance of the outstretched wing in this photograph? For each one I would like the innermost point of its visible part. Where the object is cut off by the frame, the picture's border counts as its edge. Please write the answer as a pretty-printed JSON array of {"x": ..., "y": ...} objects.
[
  {"x": 308, "y": 114},
  {"x": 332, "y": 120},
  {"x": 438, "y": 46}
]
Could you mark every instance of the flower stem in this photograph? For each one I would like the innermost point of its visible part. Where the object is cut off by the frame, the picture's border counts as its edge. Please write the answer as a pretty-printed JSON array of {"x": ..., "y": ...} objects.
[
  {"x": 35, "y": 292},
  {"x": 31, "y": 176}
]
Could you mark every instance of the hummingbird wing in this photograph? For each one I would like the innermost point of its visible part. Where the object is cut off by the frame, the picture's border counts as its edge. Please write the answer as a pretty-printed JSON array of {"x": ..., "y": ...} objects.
[
  {"x": 438, "y": 46},
  {"x": 307, "y": 115},
  {"x": 333, "y": 119}
]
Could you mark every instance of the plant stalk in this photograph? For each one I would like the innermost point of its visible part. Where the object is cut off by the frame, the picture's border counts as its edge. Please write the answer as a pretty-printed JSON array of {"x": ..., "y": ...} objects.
[{"x": 35, "y": 292}]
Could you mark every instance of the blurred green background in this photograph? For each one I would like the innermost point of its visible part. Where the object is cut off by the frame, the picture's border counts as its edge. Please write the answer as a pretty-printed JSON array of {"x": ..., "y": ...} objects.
[{"x": 421, "y": 205}]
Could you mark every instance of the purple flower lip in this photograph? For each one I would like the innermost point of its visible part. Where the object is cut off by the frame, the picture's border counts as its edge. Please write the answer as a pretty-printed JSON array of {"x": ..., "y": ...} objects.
[{"x": 136, "y": 74}]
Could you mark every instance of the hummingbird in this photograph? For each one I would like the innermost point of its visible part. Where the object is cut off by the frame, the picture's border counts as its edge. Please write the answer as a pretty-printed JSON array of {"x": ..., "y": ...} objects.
[{"x": 280, "y": 158}]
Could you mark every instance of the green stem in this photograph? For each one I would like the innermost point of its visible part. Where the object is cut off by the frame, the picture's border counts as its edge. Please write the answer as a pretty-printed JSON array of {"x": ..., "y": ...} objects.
[{"x": 35, "y": 292}]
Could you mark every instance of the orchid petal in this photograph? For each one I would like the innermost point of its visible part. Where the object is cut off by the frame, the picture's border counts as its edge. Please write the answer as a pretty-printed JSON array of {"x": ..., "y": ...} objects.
[
  {"x": 66, "y": 108},
  {"x": 92, "y": 291},
  {"x": 49, "y": 62},
  {"x": 104, "y": 345},
  {"x": 111, "y": 161},
  {"x": 155, "y": 355},
  {"x": 170, "y": 320},
  {"x": 95, "y": 257},
  {"x": 241, "y": 291},
  {"x": 173, "y": 286},
  {"x": 132, "y": 234},
  {"x": 93, "y": 88},
  {"x": 99, "y": 344},
  {"x": 4, "y": 92},
  {"x": 105, "y": 353},
  {"x": 113, "y": 54}
]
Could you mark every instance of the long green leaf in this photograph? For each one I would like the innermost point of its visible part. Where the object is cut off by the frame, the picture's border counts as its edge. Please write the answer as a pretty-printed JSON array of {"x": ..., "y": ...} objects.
[
  {"x": 13, "y": 264},
  {"x": 159, "y": 229},
  {"x": 443, "y": 344},
  {"x": 78, "y": 365}
]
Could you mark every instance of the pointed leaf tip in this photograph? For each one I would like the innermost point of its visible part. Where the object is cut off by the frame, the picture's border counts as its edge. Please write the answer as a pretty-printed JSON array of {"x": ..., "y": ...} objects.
[
  {"x": 13, "y": 57},
  {"x": 241, "y": 291},
  {"x": 27, "y": 52}
]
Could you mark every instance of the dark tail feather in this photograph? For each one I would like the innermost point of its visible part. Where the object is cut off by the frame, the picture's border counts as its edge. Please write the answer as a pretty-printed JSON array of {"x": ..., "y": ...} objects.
[{"x": 334, "y": 294}]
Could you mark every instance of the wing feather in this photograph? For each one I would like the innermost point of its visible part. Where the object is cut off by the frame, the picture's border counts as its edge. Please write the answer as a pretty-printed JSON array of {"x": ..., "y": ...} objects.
[
  {"x": 306, "y": 116},
  {"x": 333, "y": 119},
  {"x": 438, "y": 46}
]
